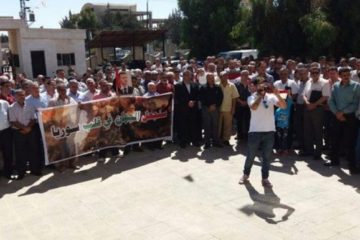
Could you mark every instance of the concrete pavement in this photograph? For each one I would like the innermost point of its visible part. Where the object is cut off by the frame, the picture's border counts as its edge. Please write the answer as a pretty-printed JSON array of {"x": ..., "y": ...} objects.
[{"x": 183, "y": 194}]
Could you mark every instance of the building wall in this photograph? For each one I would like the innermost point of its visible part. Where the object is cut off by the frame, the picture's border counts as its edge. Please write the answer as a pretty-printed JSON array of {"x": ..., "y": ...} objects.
[
  {"x": 23, "y": 40},
  {"x": 51, "y": 48},
  {"x": 52, "y": 42},
  {"x": 99, "y": 9}
]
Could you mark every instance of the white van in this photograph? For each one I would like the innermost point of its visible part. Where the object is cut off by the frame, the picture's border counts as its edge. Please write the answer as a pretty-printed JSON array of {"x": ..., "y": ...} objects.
[{"x": 239, "y": 54}]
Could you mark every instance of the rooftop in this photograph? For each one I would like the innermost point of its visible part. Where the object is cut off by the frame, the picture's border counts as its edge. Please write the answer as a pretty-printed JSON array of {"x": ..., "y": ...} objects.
[{"x": 125, "y": 38}]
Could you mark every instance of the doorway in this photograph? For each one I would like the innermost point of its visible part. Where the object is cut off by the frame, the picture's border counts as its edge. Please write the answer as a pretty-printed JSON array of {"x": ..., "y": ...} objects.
[{"x": 38, "y": 63}]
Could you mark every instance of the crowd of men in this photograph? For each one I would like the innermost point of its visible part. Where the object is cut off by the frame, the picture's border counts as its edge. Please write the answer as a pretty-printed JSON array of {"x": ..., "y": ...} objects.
[{"x": 210, "y": 98}]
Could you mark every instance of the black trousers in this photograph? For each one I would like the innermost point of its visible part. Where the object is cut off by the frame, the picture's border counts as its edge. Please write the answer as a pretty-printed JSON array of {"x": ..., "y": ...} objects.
[
  {"x": 282, "y": 138},
  {"x": 313, "y": 130},
  {"x": 188, "y": 127},
  {"x": 6, "y": 146},
  {"x": 242, "y": 116},
  {"x": 40, "y": 149},
  {"x": 26, "y": 146},
  {"x": 329, "y": 121},
  {"x": 344, "y": 135},
  {"x": 290, "y": 135},
  {"x": 299, "y": 125}
]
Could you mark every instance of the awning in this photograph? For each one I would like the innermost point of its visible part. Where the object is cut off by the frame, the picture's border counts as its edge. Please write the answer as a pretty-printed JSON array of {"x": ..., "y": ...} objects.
[{"x": 125, "y": 38}]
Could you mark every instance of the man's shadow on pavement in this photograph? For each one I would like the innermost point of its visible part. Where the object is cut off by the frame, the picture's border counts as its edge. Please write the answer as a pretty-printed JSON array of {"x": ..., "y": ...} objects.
[
  {"x": 264, "y": 205},
  {"x": 212, "y": 154}
]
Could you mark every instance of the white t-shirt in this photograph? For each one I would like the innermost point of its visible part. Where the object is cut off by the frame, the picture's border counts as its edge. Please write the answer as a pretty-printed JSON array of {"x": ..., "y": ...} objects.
[
  {"x": 263, "y": 119},
  {"x": 289, "y": 83}
]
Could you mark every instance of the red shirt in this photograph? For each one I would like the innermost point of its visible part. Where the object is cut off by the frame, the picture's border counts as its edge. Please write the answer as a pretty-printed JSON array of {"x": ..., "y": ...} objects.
[
  {"x": 233, "y": 75},
  {"x": 10, "y": 99}
]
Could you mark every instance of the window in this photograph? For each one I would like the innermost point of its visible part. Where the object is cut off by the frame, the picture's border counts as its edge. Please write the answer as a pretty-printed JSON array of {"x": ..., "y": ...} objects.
[
  {"x": 15, "y": 60},
  {"x": 65, "y": 59}
]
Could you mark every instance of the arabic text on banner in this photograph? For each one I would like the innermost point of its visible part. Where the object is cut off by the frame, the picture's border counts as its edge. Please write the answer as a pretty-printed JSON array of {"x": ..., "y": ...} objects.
[{"x": 73, "y": 130}]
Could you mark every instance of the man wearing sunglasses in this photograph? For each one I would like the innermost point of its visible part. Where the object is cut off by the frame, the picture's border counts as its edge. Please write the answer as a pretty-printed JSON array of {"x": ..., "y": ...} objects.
[
  {"x": 316, "y": 94},
  {"x": 262, "y": 128}
]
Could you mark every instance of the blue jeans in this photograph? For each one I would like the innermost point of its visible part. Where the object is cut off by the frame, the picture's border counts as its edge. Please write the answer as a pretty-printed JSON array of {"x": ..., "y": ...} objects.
[{"x": 264, "y": 141}]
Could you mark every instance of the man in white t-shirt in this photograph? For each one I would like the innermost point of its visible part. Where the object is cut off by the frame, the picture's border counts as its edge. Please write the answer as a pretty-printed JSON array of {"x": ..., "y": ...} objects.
[
  {"x": 262, "y": 129},
  {"x": 284, "y": 82}
]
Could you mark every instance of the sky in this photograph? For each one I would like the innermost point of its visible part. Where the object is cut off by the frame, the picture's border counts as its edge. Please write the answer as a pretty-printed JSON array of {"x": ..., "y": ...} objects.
[{"x": 48, "y": 13}]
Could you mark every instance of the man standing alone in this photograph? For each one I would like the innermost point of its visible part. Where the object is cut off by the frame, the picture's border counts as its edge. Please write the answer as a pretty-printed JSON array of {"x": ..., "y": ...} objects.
[{"x": 262, "y": 129}]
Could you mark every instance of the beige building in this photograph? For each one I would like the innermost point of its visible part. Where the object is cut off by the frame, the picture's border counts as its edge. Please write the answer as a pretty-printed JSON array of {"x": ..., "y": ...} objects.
[
  {"x": 100, "y": 9},
  {"x": 145, "y": 17},
  {"x": 42, "y": 51}
]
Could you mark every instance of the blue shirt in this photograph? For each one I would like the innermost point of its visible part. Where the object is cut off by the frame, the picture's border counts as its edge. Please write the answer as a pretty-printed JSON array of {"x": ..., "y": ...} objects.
[
  {"x": 33, "y": 104},
  {"x": 282, "y": 116},
  {"x": 77, "y": 97},
  {"x": 344, "y": 98}
]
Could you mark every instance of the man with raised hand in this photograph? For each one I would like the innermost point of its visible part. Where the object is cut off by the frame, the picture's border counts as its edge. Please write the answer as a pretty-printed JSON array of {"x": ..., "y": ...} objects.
[{"x": 262, "y": 129}]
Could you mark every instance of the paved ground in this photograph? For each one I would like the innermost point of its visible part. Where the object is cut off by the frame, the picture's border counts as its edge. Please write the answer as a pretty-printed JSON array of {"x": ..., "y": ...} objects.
[{"x": 182, "y": 194}]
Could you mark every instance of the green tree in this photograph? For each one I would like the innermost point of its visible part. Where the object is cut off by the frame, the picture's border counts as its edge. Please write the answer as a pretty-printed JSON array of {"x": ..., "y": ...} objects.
[
  {"x": 344, "y": 15},
  {"x": 88, "y": 20},
  {"x": 4, "y": 38},
  {"x": 207, "y": 25},
  {"x": 241, "y": 32},
  {"x": 272, "y": 26},
  {"x": 173, "y": 26},
  {"x": 299, "y": 28},
  {"x": 319, "y": 32},
  {"x": 118, "y": 21},
  {"x": 69, "y": 21}
]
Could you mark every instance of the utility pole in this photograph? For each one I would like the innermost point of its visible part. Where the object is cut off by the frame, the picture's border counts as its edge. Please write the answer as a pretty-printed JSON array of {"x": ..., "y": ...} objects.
[
  {"x": 23, "y": 12},
  {"x": 147, "y": 14}
]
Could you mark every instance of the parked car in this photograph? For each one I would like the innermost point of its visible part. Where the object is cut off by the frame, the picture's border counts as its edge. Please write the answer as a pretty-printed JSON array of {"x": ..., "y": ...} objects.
[{"x": 239, "y": 54}]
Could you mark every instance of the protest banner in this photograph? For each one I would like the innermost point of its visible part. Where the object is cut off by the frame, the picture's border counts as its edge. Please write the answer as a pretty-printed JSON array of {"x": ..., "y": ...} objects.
[{"x": 74, "y": 130}]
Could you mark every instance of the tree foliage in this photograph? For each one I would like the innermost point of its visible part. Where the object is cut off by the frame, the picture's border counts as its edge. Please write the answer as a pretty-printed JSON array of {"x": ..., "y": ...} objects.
[
  {"x": 174, "y": 26},
  {"x": 284, "y": 27},
  {"x": 4, "y": 38},
  {"x": 88, "y": 20},
  {"x": 320, "y": 33},
  {"x": 118, "y": 21},
  {"x": 344, "y": 15},
  {"x": 300, "y": 28},
  {"x": 69, "y": 21},
  {"x": 207, "y": 24},
  {"x": 272, "y": 26}
]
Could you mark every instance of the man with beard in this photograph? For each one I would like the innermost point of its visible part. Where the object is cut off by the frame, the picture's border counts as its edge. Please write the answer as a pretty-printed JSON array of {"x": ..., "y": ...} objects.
[{"x": 262, "y": 129}]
